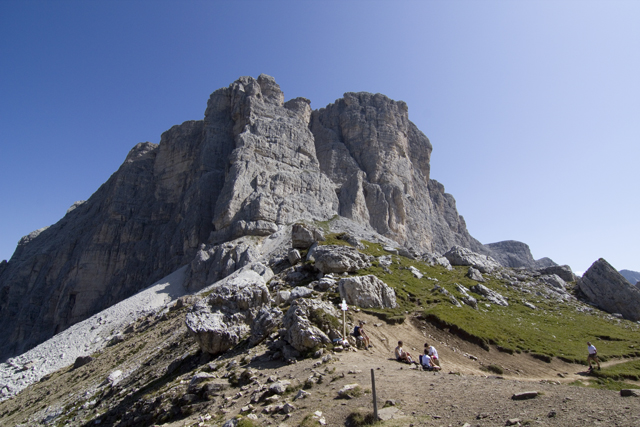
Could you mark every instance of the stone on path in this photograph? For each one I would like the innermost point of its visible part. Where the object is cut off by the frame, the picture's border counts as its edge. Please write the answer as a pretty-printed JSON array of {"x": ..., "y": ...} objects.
[{"x": 525, "y": 395}]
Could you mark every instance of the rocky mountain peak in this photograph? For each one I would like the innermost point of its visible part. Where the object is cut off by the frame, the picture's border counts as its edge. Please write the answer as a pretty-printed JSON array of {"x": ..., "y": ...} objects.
[{"x": 252, "y": 166}]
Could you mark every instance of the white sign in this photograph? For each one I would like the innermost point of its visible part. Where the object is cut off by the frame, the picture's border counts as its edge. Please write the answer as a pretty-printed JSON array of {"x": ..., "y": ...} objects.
[{"x": 343, "y": 306}]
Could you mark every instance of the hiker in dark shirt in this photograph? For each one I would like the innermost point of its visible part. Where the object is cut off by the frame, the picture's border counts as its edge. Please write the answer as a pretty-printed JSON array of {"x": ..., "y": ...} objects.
[{"x": 361, "y": 335}]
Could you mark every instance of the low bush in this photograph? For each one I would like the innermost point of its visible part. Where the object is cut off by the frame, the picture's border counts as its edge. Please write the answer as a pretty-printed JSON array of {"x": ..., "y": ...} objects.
[
  {"x": 357, "y": 419},
  {"x": 495, "y": 369}
]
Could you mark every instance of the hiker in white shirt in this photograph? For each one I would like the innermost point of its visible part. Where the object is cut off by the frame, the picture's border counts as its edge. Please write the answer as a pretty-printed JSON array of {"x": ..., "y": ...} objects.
[
  {"x": 401, "y": 355},
  {"x": 428, "y": 363},
  {"x": 431, "y": 351},
  {"x": 593, "y": 355}
]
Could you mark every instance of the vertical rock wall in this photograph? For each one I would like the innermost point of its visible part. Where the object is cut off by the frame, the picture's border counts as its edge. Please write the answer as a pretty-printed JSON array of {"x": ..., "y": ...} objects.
[
  {"x": 379, "y": 162},
  {"x": 253, "y": 164}
]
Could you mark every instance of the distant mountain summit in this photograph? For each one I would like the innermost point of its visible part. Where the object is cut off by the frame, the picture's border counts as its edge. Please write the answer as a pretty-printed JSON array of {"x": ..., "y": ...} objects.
[
  {"x": 254, "y": 164},
  {"x": 511, "y": 253},
  {"x": 632, "y": 276}
]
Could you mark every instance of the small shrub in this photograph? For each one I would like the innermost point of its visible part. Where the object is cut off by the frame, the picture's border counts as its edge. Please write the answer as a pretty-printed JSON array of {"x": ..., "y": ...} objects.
[
  {"x": 356, "y": 392},
  {"x": 505, "y": 349},
  {"x": 357, "y": 419},
  {"x": 246, "y": 422},
  {"x": 309, "y": 421},
  {"x": 352, "y": 393},
  {"x": 495, "y": 369},
  {"x": 543, "y": 357}
]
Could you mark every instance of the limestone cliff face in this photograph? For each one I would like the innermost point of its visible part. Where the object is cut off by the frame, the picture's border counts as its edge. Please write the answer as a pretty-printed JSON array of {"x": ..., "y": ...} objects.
[
  {"x": 254, "y": 163},
  {"x": 379, "y": 162},
  {"x": 273, "y": 173}
]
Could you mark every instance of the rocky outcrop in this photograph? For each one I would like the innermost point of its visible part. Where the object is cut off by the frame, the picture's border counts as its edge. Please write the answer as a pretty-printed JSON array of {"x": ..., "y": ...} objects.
[
  {"x": 458, "y": 255},
  {"x": 302, "y": 236},
  {"x": 339, "y": 259},
  {"x": 433, "y": 259},
  {"x": 514, "y": 254},
  {"x": 474, "y": 274},
  {"x": 222, "y": 319},
  {"x": 298, "y": 329},
  {"x": 490, "y": 294},
  {"x": 466, "y": 298},
  {"x": 562, "y": 271},
  {"x": 266, "y": 321},
  {"x": 607, "y": 289},
  {"x": 216, "y": 262},
  {"x": 554, "y": 281},
  {"x": 378, "y": 161},
  {"x": 367, "y": 292}
]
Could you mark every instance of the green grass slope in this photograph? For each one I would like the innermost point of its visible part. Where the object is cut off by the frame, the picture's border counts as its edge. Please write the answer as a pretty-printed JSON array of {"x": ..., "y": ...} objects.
[{"x": 553, "y": 329}]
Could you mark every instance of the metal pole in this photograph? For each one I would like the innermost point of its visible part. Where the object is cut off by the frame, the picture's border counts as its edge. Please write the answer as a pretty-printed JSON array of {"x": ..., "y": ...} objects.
[
  {"x": 344, "y": 320},
  {"x": 375, "y": 400}
]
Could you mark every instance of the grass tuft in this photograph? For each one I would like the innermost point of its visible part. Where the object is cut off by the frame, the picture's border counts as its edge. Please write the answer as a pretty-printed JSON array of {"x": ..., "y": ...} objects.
[{"x": 357, "y": 419}]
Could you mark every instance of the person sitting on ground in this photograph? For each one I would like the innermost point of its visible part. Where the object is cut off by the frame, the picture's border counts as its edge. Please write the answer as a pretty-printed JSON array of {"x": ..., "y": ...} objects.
[
  {"x": 361, "y": 335},
  {"x": 431, "y": 351},
  {"x": 593, "y": 355},
  {"x": 427, "y": 363},
  {"x": 401, "y": 355}
]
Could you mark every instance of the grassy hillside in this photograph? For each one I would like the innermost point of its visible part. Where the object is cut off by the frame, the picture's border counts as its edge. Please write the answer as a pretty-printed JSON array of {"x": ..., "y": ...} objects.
[{"x": 552, "y": 329}]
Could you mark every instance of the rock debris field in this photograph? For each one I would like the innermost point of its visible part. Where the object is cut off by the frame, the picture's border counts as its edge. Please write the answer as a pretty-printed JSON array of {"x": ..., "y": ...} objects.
[{"x": 159, "y": 384}]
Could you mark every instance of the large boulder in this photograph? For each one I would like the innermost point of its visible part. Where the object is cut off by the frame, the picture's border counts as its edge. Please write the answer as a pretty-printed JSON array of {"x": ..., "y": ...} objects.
[
  {"x": 433, "y": 259},
  {"x": 339, "y": 259},
  {"x": 563, "y": 271},
  {"x": 216, "y": 262},
  {"x": 489, "y": 294},
  {"x": 458, "y": 255},
  {"x": 303, "y": 236},
  {"x": 474, "y": 274},
  {"x": 222, "y": 319},
  {"x": 367, "y": 292},
  {"x": 554, "y": 281},
  {"x": 610, "y": 291},
  {"x": 298, "y": 329},
  {"x": 267, "y": 320}
]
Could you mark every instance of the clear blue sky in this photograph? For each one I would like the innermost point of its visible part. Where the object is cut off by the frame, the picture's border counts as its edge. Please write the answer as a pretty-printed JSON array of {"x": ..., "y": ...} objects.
[{"x": 532, "y": 107}]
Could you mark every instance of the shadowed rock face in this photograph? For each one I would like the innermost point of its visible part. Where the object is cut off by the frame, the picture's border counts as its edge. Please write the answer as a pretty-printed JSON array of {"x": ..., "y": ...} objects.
[
  {"x": 254, "y": 163},
  {"x": 610, "y": 291}
]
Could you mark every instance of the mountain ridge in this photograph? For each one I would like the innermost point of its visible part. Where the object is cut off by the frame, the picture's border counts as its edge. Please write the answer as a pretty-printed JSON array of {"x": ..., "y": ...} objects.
[
  {"x": 253, "y": 164},
  {"x": 632, "y": 276}
]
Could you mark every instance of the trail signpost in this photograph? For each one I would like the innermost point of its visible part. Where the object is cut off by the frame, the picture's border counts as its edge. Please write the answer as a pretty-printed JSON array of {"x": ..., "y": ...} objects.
[{"x": 344, "y": 308}]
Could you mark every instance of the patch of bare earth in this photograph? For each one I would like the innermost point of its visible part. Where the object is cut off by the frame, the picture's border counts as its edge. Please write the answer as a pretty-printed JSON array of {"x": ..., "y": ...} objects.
[{"x": 462, "y": 393}]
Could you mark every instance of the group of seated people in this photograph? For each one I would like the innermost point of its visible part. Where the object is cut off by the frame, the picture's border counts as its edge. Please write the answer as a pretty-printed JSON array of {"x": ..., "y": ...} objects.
[{"x": 429, "y": 360}]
